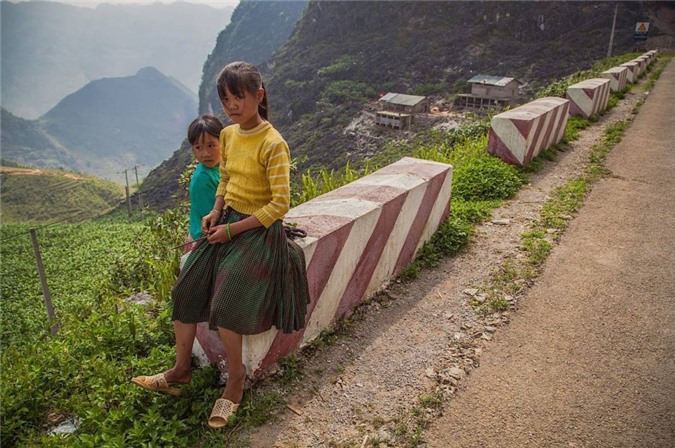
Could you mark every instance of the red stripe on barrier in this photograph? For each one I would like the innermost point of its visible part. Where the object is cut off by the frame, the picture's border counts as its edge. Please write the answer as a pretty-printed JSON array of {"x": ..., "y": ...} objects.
[
  {"x": 523, "y": 126},
  {"x": 370, "y": 257},
  {"x": 559, "y": 132},
  {"x": 420, "y": 221},
  {"x": 552, "y": 125},
  {"x": 532, "y": 147},
  {"x": 575, "y": 109},
  {"x": 318, "y": 273},
  {"x": 498, "y": 148}
]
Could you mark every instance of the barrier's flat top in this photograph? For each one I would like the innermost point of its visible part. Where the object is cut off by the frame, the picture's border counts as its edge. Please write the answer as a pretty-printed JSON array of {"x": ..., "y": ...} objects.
[
  {"x": 533, "y": 109},
  {"x": 589, "y": 83},
  {"x": 615, "y": 70}
]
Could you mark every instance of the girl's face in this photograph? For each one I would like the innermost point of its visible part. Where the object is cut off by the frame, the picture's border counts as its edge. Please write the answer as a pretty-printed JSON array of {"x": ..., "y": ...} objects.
[
  {"x": 207, "y": 150},
  {"x": 243, "y": 110}
]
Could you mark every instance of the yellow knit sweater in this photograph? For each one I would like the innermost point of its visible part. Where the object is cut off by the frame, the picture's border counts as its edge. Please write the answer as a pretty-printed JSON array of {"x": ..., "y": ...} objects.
[{"x": 255, "y": 172}]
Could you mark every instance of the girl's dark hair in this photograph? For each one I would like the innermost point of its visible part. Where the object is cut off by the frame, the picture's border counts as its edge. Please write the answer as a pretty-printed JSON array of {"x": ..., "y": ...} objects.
[
  {"x": 238, "y": 77},
  {"x": 205, "y": 124}
]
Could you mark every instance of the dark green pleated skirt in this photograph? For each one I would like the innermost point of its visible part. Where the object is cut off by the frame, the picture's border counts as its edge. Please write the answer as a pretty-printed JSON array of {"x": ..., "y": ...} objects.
[{"x": 247, "y": 285}]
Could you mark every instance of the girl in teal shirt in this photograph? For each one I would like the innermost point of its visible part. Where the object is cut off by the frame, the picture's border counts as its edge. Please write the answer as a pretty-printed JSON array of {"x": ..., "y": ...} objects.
[{"x": 203, "y": 135}]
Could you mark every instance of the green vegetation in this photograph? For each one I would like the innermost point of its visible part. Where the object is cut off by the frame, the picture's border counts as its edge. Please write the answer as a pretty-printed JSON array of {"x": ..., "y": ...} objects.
[
  {"x": 42, "y": 196},
  {"x": 342, "y": 65},
  {"x": 559, "y": 87},
  {"x": 102, "y": 341},
  {"x": 346, "y": 91}
]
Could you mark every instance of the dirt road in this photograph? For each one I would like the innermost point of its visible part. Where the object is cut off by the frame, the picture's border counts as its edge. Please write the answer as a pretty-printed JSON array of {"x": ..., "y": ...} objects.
[
  {"x": 588, "y": 359},
  {"x": 584, "y": 361}
]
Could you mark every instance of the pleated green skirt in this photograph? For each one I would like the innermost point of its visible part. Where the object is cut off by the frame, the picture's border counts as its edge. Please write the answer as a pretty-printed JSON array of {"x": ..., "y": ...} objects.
[{"x": 256, "y": 281}]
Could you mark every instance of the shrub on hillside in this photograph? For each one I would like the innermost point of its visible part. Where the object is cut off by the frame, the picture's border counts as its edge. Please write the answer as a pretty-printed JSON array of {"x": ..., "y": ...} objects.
[{"x": 485, "y": 178}]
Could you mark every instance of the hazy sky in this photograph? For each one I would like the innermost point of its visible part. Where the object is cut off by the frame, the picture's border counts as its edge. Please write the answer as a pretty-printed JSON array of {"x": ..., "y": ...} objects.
[{"x": 93, "y": 3}]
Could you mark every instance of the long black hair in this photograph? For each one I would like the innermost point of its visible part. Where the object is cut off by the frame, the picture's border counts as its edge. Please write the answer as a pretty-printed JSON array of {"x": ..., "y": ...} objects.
[
  {"x": 238, "y": 77},
  {"x": 204, "y": 124}
]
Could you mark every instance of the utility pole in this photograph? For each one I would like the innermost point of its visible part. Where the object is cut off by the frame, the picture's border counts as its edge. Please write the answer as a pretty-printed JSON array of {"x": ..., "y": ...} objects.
[
  {"x": 43, "y": 280},
  {"x": 138, "y": 191},
  {"x": 126, "y": 176},
  {"x": 611, "y": 36}
]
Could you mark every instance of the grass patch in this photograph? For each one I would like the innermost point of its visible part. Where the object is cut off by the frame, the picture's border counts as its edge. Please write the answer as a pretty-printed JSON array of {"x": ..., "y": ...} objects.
[
  {"x": 574, "y": 127},
  {"x": 536, "y": 245}
]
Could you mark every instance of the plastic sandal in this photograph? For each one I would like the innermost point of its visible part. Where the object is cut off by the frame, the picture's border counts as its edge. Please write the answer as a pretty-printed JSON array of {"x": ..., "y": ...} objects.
[
  {"x": 222, "y": 411},
  {"x": 155, "y": 383}
]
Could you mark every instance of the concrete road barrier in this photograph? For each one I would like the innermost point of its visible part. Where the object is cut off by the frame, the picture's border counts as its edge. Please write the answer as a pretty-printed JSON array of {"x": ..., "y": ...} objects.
[
  {"x": 642, "y": 62},
  {"x": 518, "y": 135},
  {"x": 588, "y": 97},
  {"x": 633, "y": 71},
  {"x": 359, "y": 237},
  {"x": 618, "y": 77}
]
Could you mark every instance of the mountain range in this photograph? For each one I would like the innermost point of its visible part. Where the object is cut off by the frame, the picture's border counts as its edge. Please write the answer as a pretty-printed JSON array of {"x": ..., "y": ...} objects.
[
  {"x": 341, "y": 55},
  {"x": 50, "y": 50},
  {"x": 256, "y": 31},
  {"x": 105, "y": 127}
]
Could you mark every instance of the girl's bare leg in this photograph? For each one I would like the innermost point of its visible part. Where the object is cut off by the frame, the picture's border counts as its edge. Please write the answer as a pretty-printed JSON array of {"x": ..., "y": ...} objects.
[
  {"x": 236, "y": 372},
  {"x": 181, "y": 372}
]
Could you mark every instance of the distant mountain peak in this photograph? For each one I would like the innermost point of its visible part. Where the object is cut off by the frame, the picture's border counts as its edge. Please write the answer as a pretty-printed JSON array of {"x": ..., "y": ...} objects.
[{"x": 150, "y": 73}]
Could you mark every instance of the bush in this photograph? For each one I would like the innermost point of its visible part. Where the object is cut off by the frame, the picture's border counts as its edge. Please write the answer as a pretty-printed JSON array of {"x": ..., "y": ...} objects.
[
  {"x": 339, "y": 92},
  {"x": 485, "y": 178}
]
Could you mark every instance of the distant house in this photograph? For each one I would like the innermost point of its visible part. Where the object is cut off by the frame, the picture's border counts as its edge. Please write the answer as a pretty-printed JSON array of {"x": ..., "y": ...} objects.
[
  {"x": 396, "y": 120},
  {"x": 490, "y": 91},
  {"x": 397, "y": 110},
  {"x": 398, "y": 102}
]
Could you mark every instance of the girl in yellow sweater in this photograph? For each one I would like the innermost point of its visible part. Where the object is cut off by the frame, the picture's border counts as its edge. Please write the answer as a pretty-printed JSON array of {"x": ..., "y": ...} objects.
[{"x": 247, "y": 276}]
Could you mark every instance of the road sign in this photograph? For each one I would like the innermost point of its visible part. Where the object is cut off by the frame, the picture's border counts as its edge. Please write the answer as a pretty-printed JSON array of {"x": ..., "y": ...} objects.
[{"x": 642, "y": 27}]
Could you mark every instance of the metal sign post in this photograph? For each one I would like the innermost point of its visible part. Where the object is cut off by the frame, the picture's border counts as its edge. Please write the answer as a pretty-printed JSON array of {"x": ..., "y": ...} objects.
[{"x": 641, "y": 31}]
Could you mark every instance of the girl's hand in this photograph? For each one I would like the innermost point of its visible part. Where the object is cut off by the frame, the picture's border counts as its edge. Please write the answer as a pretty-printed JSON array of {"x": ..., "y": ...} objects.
[
  {"x": 217, "y": 234},
  {"x": 209, "y": 221}
]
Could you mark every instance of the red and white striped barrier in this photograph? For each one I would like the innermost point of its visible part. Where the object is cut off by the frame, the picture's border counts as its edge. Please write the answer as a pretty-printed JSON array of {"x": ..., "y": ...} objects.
[
  {"x": 618, "y": 76},
  {"x": 588, "y": 97},
  {"x": 650, "y": 57},
  {"x": 642, "y": 62},
  {"x": 518, "y": 135},
  {"x": 359, "y": 237},
  {"x": 633, "y": 71}
]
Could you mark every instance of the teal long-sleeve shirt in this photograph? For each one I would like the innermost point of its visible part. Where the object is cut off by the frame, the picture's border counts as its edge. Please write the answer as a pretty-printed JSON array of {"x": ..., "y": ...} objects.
[{"x": 203, "y": 187}]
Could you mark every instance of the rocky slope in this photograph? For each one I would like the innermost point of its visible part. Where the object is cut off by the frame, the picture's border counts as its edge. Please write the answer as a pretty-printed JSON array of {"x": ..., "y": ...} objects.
[{"x": 341, "y": 55}]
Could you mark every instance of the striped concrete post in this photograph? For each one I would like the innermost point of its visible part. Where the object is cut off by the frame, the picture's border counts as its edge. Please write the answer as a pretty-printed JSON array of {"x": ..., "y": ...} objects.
[
  {"x": 360, "y": 236},
  {"x": 633, "y": 71},
  {"x": 644, "y": 60},
  {"x": 518, "y": 135},
  {"x": 617, "y": 78},
  {"x": 651, "y": 57},
  {"x": 642, "y": 64},
  {"x": 588, "y": 97}
]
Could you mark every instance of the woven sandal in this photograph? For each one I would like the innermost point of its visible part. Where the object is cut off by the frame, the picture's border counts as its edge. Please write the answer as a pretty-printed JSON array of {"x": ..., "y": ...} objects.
[
  {"x": 155, "y": 383},
  {"x": 222, "y": 411}
]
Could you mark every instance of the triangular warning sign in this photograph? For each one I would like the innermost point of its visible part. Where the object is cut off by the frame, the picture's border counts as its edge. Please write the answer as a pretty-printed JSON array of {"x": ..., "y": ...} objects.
[{"x": 642, "y": 28}]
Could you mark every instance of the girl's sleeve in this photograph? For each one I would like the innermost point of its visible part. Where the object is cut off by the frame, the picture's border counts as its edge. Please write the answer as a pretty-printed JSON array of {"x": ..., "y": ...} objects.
[
  {"x": 224, "y": 177},
  {"x": 278, "y": 168}
]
